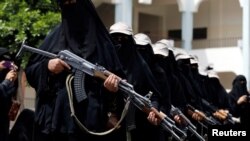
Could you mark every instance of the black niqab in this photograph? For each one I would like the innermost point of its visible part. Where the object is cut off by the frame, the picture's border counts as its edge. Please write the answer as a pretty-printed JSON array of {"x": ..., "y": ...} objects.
[
  {"x": 240, "y": 110},
  {"x": 129, "y": 58},
  {"x": 191, "y": 90},
  {"x": 82, "y": 32},
  {"x": 217, "y": 94},
  {"x": 138, "y": 74},
  {"x": 147, "y": 53},
  {"x": 169, "y": 64},
  {"x": 239, "y": 87}
]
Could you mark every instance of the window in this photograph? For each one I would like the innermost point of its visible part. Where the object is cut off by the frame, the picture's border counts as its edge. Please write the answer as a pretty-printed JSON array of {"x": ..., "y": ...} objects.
[{"x": 198, "y": 33}]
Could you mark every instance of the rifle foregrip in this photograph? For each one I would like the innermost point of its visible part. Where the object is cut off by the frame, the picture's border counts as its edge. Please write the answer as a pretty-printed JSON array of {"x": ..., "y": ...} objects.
[
  {"x": 157, "y": 114},
  {"x": 200, "y": 114},
  {"x": 219, "y": 115},
  {"x": 102, "y": 75}
]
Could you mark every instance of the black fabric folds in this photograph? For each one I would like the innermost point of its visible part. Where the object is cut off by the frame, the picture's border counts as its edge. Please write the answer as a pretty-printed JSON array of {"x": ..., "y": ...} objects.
[{"x": 82, "y": 32}]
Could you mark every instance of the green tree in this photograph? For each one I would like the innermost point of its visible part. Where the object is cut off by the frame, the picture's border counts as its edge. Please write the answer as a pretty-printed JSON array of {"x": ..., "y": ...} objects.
[{"x": 26, "y": 20}]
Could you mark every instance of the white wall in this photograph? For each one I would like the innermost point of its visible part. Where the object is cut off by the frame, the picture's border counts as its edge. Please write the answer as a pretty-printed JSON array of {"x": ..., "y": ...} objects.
[
  {"x": 223, "y": 58},
  {"x": 223, "y": 18},
  {"x": 226, "y": 61}
]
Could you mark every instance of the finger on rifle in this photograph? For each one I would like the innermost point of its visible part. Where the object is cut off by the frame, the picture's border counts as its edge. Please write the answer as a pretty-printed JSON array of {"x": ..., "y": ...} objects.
[
  {"x": 222, "y": 115},
  {"x": 222, "y": 112},
  {"x": 116, "y": 77},
  {"x": 200, "y": 113},
  {"x": 116, "y": 80},
  {"x": 163, "y": 114},
  {"x": 65, "y": 64},
  {"x": 107, "y": 81},
  {"x": 217, "y": 114},
  {"x": 115, "y": 84}
]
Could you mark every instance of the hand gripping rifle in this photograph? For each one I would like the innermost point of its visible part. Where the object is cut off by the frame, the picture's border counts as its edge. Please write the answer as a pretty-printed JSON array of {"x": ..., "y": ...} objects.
[
  {"x": 189, "y": 125},
  {"x": 228, "y": 118},
  {"x": 81, "y": 66},
  {"x": 208, "y": 120}
]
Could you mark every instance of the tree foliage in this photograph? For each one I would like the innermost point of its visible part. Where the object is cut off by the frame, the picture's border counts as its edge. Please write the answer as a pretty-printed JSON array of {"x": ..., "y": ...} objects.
[{"x": 26, "y": 20}]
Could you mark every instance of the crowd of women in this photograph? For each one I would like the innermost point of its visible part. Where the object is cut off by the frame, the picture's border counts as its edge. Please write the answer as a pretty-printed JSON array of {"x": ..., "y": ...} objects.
[{"x": 180, "y": 90}]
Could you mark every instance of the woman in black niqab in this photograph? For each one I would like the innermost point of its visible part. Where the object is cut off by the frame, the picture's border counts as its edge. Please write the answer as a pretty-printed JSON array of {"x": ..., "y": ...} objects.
[
  {"x": 169, "y": 65},
  {"x": 239, "y": 87},
  {"x": 239, "y": 99},
  {"x": 139, "y": 74},
  {"x": 145, "y": 49},
  {"x": 192, "y": 92},
  {"x": 82, "y": 32},
  {"x": 216, "y": 93}
]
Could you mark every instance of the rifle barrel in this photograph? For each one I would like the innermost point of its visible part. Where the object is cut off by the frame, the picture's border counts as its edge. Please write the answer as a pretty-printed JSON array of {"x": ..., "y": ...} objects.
[{"x": 35, "y": 50}]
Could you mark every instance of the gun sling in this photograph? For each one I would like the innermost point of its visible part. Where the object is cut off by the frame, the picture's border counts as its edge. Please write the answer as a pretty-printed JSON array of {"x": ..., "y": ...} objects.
[{"x": 81, "y": 126}]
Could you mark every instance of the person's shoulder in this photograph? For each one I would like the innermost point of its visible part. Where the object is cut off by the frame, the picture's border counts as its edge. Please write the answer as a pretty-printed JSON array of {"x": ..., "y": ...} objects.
[{"x": 6, "y": 83}]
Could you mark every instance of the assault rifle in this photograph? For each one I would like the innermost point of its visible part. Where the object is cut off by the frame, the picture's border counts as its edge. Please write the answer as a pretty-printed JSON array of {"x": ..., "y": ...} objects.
[
  {"x": 189, "y": 125},
  {"x": 81, "y": 66},
  {"x": 226, "y": 117}
]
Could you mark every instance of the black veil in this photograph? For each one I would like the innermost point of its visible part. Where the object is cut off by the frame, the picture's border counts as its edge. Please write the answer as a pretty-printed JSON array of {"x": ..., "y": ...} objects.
[
  {"x": 82, "y": 31},
  {"x": 239, "y": 87}
]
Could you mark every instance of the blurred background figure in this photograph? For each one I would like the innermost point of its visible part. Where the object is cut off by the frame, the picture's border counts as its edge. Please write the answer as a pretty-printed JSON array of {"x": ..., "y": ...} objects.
[
  {"x": 240, "y": 100},
  {"x": 23, "y": 127},
  {"x": 8, "y": 87}
]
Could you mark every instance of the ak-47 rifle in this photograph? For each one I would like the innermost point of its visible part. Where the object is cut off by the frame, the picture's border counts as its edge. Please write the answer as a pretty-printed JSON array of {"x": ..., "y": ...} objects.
[
  {"x": 189, "y": 125},
  {"x": 226, "y": 117},
  {"x": 81, "y": 66}
]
